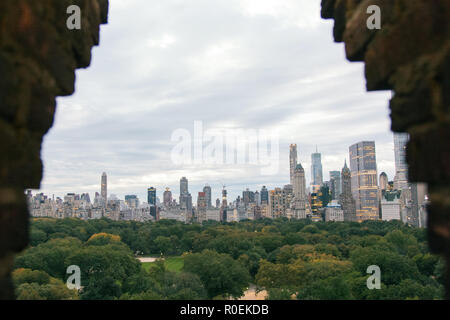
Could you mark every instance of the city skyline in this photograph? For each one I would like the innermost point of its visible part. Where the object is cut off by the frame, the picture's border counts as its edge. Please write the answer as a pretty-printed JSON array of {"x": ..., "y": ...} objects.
[
  {"x": 216, "y": 189},
  {"x": 358, "y": 197},
  {"x": 243, "y": 73}
]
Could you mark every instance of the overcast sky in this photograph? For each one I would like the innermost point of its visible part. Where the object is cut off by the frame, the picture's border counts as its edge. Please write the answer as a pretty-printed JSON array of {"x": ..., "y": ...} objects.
[{"x": 268, "y": 65}]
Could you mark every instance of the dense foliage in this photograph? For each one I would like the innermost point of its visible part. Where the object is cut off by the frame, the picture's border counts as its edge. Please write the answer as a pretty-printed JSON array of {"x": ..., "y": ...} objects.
[{"x": 290, "y": 259}]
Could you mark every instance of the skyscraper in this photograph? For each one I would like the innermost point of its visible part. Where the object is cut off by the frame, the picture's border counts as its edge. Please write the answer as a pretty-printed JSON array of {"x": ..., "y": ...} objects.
[
  {"x": 401, "y": 167},
  {"x": 298, "y": 204},
  {"x": 264, "y": 195},
  {"x": 335, "y": 184},
  {"x": 201, "y": 207},
  {"x": 207, "y": 191},
  {"x": 184, "y": 194},
  {"x": 346, "y": 199},
  {"x": 224, "y": 207},
  {"x": 104, "y": 189},
  {"x": 184, "y": 186},
  {"x": 292, "y": 161},
  {"x": 167, "y": 198},
  {"x": 151, "y": 196},
  {"x": 248, "y": 197},
  {"x": 151, "y": 200},
  {"x": 363, "y": 166},
  {"x": 257, "y": 198},
  {"x": 316, "y": 171}
]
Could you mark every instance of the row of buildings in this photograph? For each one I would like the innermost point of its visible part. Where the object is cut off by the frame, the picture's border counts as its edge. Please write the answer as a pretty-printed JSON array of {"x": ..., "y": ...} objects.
[{"x": 352, "y": 194}]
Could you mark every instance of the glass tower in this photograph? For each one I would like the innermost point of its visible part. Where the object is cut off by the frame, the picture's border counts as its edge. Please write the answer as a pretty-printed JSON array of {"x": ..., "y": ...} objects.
[
  {"x": 363, "y": 167},
  {"x": 316, "y": 171}
]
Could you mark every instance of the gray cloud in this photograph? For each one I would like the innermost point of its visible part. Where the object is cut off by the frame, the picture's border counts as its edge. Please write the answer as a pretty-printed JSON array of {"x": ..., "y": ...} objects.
[{"x": 161, "y": 65}]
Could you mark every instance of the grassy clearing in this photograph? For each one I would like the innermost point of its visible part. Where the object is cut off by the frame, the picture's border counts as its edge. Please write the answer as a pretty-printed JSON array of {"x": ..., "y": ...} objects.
[{"x": 174, "y": 264}]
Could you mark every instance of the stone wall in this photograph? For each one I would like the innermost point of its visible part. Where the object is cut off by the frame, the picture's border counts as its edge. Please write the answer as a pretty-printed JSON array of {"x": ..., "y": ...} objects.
[
  {"x": 38, "y": 58},
  {"x": 410, "y": 56},
  {"x": 39, "y": 55}
]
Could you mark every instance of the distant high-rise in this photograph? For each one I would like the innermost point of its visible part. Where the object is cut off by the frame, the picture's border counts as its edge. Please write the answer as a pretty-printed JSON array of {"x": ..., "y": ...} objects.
[
  {"x": 316, "y": 171},
  {"x": 104, "y": 189},
  {"x": 401, "y": 167},
  {"x": 186, "y": 201},
  {"x": 167, "y": 198},
  {"x": 201, "y": 207},
  {"x": 207, "y": 191},
  {"x": 292, "y": 161},
  {"x": 363, "y": 166},
  {"x": 85, "y": 197},
  {"x": 224, "y": 207},
  {"x": 277, "y": 203},
  {"x": 346, "y": 199},
  {"x": 335, "y": 184},
  {"x": 184, "y": 194},
  {"x": 264, "y": 194},
  {"x": 184, "y": 186},
  {"x": 298, "y": 204},
  {"x": 132, "y": 200},
  {"x": 257, "y": 198},
  {"x": 151, "y": 196},
  {"x": 248, "y": 197}
]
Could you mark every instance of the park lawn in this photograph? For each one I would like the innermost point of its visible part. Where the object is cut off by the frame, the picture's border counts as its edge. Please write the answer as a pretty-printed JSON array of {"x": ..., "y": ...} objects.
[{"x": 174, "y": 264}]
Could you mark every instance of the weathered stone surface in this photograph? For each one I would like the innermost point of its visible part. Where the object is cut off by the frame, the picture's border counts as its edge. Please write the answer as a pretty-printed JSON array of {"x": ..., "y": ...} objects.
[
  {"x": 411, "y": 56},
  {"x": 38, "y": 58}
]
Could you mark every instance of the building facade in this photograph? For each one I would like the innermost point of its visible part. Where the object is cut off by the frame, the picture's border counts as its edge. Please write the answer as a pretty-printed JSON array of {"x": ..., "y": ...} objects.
[
  {"x": 299, "y": 202},
  {"x": 391, "y": 205},
  {"x": 207, "y": 191},
  {"x": 363, "y": 167},
  {"x": 334, "y": 212}
]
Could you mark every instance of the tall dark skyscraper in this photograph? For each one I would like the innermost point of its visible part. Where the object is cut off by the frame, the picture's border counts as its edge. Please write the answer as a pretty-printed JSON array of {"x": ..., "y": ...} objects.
[
  {"x": 316, "y": 171},
  {"x": 292, "y": 161},
  {"x": 264, "y": 194},
  {"x": 363, "y": 166},
  {"x": 104, "y": 189},
  {"x": 207, "y": 191},
  {"x": 151, "y": 199},
  {"x": 151, "y": 196},
  {"x": 224, "y": 207},
  {"x": 346, "y": 199}
]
